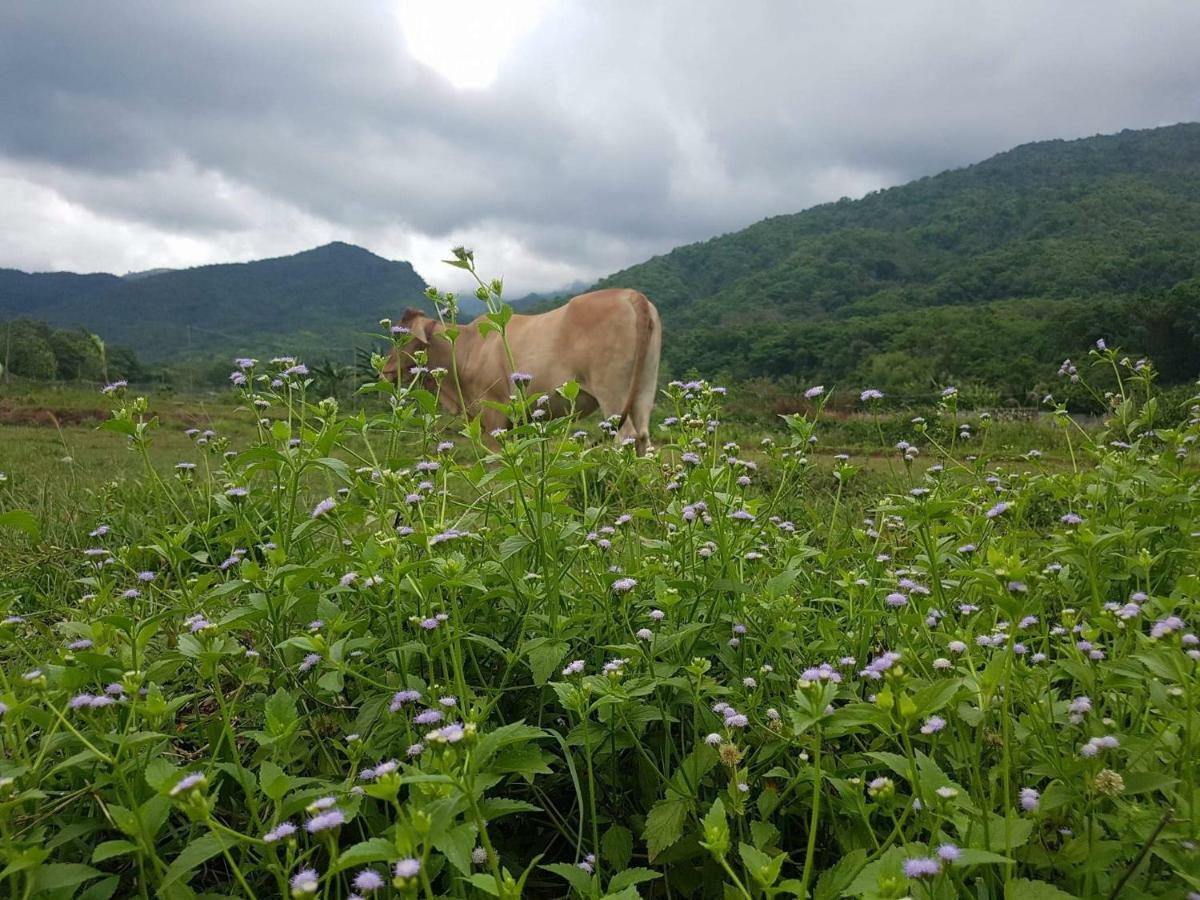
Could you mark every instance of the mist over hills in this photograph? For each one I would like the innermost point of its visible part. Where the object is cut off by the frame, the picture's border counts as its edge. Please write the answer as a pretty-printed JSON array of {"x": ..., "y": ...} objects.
[{"x": 988, "y": 274}]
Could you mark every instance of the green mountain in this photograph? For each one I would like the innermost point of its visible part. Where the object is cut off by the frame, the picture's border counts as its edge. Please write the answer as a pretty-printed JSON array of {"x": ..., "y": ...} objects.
[
  {"x": 318, "y": 303},
  {"x": 992, "y": 273}
]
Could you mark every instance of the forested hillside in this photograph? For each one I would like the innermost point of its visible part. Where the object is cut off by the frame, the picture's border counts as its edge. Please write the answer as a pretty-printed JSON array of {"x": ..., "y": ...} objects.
[
  {"x": 320, "y": 301},
  {"x": 991, "y": 273}
]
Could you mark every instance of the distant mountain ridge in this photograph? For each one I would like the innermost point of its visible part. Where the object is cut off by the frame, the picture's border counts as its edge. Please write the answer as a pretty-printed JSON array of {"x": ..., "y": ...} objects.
[{"x": 319, "y": 300}]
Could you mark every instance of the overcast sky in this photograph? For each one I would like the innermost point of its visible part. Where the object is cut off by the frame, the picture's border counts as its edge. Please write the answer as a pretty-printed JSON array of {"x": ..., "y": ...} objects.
[{"x": 561, "y": 140}]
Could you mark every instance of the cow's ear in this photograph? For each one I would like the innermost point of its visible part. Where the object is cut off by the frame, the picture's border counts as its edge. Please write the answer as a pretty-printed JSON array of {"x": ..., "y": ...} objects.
[
  {"x": 422, "y": 328},
  {"x": 418, "y": 323}
]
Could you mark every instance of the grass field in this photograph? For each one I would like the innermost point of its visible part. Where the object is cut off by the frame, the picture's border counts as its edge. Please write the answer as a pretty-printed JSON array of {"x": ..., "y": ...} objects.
[{"x": 345, "y": 650}]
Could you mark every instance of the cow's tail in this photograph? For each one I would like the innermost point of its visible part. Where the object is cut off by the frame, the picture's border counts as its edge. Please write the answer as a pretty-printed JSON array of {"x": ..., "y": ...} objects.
[{"x": 645, "y": 327}]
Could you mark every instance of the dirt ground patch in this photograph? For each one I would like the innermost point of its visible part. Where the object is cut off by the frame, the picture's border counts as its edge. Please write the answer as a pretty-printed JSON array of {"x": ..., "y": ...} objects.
[
  {"x": 20, "y": 414},
  {"x": 55, "y": 416}
]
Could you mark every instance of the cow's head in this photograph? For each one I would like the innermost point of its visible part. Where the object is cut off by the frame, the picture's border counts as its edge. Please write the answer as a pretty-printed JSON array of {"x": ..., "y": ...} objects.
[{"x": 424, "y": 334}]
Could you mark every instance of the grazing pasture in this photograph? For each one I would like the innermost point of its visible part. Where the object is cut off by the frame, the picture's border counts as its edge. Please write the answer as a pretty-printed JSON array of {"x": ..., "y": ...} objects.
[{"x": 315, "y": 649}]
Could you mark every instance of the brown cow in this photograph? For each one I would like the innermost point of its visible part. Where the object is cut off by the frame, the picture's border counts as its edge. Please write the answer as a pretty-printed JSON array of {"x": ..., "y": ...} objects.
[{"x": 609, "y": 342}]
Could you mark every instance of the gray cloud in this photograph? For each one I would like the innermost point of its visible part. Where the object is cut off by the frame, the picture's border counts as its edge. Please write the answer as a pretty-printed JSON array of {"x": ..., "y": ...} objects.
[{"x": 165, "y": 134}]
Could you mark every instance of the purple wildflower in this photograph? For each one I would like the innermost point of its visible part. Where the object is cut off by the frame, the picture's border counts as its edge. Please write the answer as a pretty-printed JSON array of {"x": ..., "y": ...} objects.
[
  {"x": 933, "y": 725},
  {"x": 948, "y": 853},
  {"x": 279, "y": 832},
  {"x": 187, "y": 782},
  {"x": 998, "y": 510},
  {"x": 304, "y": 882},
  {"x": 368, "y": 880},
  {"x": 922, "y": 867},
  {"x": 325, "y": 820}
]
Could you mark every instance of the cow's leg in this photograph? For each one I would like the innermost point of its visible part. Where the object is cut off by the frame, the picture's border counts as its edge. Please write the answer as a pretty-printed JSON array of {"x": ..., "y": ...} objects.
[
  {"x": 490, "y": 420},
  {"x": 638, "y": 421}
]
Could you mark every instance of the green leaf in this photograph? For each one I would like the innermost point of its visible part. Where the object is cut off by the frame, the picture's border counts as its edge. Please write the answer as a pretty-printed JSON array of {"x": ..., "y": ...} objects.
[
  {"x": 58, "y": 876},
  {"x": 281, "y": 713},
  {"x": 160, "y": 775},
  {"x": 867, "y": 879},
  {"x": 512, "y": 545},
  {"x": 369, "y": 851},
  {"x": 664, "y": 825},
  {"x": 762, "y": 868},
  {"x": 456, "y": 844},
  {"x": 110, "y": 849},
  {"x": 973, "y": 857},
  {"x": 834, "y": 882},
  {"x": 527, "y": 761},
  {"x": 199, "y": 851},
  {"x": 124, "y": 819},
  {"x": 1017, "y": 831},
  {"x": 616, "y": 847},
  {"x": 1025, "y": 889},
  {"x": 22, "y": 520},
  {"x": 513, "y": 733},
  {"x": 485, "y": 882},
  {"x": 544, "y": 660},
  {"x": 573, "y": 875},
  {"x": 630, "y": 877},
  {"x": 777, "y": 585},
  {"x": 273, "y": 780},
  {"x": 763, "y": 834},
  {"x": 337, "y": 467},
  {"x": 101, "y": 890},
  {"x": 1143, "y": 782},
  {"x": 716, "y": 829}
]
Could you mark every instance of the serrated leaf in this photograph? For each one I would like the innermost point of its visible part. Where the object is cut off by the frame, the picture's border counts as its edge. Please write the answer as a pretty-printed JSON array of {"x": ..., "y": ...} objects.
[
  {"x": 616, "y": 847},
  {"x": 456, "y": 844},
  {"x": 160, "y": 775},
  {"x": 835, "y": 882},
  {"x": 544, "y": 660},
  {"x": 664, "y": 825}
]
